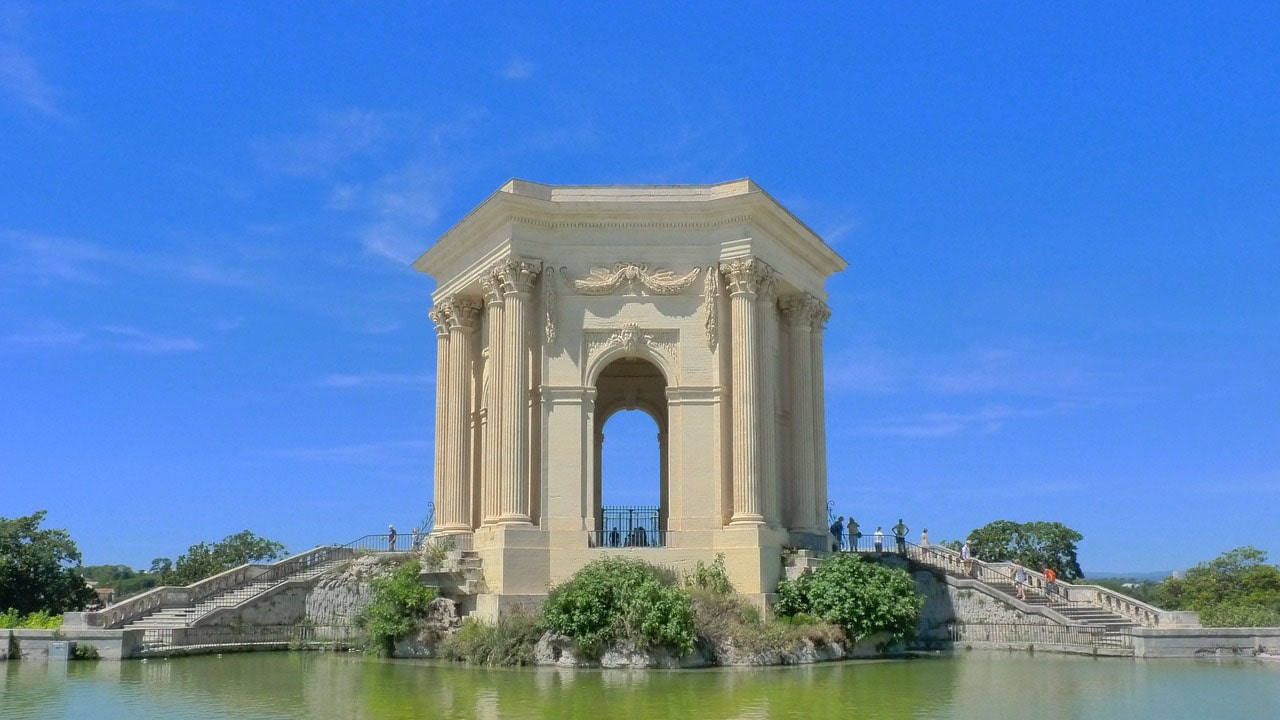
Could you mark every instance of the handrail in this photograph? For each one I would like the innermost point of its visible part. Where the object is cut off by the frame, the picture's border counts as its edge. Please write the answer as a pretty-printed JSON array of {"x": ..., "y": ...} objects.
[{"x": 1065, "y": 594}]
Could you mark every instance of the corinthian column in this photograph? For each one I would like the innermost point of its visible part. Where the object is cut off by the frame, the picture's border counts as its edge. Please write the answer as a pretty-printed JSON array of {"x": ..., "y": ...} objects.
[
  {"x": 822, "y": 314},
  {"x": 440, "y": 317},
  {"x": 743, "y": 281},
  {"x": 799, "y": 312},
  {"x": 767, "y": 307},
  {"x": 454, "y": 512},
  {"x": 517, "y": 278},
  {"x": 491, "y": 472}
]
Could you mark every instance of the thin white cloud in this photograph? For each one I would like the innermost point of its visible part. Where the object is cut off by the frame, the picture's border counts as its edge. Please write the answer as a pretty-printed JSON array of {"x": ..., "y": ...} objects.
[
  {"x": 988, "y": 419},
  {"x": 45, "y": 339},
  {"x": 42, "y": 259},
  {"x": 337, "y": 137},
  {"x": 518, "y": 69},
  {"x": 374, "y": 379},
  {"x": 22, "y": 82},
  {"x": 126, "y": 337},
  {"x": 403, "y": 207}
]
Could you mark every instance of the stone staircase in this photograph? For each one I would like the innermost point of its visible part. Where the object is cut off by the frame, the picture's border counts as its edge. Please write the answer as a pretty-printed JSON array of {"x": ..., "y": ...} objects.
[
  {"x": 1078, "y": 612},
  {"x": 186, "y": 616}
]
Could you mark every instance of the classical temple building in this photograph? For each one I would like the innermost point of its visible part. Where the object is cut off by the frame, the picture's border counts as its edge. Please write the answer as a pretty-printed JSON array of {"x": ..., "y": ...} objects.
[{"x": 558, "y": 306}]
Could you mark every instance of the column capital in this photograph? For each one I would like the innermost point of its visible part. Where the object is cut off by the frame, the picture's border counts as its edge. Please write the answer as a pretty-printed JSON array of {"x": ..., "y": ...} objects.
[
  {"x": 492, "y": 288},
  {"x": 800, "y": 309},
  {"x": 440, "y": 318},
  {"x": 821, "y": 314},
  {"x": 746, "y": 276},
  {"x": 461, "y": 312},
  {"x": 517, "y": 275}
]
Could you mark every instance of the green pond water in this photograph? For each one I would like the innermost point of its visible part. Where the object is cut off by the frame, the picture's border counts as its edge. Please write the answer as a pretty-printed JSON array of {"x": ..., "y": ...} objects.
[{"x": 315, "y": 685}]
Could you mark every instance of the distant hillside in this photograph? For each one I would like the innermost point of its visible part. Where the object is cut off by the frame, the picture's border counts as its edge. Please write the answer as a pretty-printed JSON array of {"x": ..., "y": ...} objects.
[{"x": 1149, "y": 575}]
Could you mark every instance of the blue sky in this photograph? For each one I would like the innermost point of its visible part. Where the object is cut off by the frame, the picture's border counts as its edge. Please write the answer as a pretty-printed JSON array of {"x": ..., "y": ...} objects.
[{"x": 1061, "y": 222}]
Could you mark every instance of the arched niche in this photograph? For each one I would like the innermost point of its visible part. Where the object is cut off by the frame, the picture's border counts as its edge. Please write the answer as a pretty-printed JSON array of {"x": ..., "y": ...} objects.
[{"x": 631, "y": 383}]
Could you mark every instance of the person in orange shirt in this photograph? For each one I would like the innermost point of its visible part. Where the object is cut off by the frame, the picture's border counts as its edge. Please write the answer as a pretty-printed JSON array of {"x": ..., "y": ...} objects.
[{"x": 1050, "y": 581}]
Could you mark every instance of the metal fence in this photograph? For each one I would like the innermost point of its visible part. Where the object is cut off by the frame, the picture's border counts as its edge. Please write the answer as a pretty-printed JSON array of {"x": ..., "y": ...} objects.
[
  {"x": 629, "y": 526},
  {"x": 248, "y": 635},
  {"x": 1030, "y": 634}
]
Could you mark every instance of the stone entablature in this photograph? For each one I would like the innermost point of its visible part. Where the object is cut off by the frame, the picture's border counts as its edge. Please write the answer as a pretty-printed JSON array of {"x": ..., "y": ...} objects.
[{"x": 557, "y": 306}]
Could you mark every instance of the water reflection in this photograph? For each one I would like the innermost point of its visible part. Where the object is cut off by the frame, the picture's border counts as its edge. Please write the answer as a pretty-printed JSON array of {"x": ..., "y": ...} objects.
[{"x": 324, "y": 686}]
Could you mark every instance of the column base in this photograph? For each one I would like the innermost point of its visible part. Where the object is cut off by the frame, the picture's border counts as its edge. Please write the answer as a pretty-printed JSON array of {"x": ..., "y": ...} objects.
[{"x": 747, "y": 519}]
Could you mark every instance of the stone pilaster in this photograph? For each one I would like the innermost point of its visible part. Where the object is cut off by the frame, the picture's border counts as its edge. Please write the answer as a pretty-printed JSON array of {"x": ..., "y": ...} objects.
[
  {"x": 517, "y": 278},
  {"x": 767, "y": 307},
  {"x": 822, "y": 314},
  {"x": 439, "y": 316},
  {"x": 799, "y": 310},
  {"x": 491, "y": 471},
  {"x": 742, "y": 278}
]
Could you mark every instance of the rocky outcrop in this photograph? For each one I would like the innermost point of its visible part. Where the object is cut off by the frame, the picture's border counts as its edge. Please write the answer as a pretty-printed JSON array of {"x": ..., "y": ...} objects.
[
  {"x": 442, "y": 621},
  {"x": 339, "y": 596}
]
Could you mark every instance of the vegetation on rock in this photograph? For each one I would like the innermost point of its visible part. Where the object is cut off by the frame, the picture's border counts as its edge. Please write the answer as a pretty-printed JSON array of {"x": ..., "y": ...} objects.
[
  {"x": 621, "y": 599},
  {"x": 862, "y": 597},
  {"x": 399, "y": 602},
  {"x": 509, "y": 642},
  {"x": 1236, "y": 589},
  {"x": 39, "y": 568},
  {"x": 38, "y": 620}
]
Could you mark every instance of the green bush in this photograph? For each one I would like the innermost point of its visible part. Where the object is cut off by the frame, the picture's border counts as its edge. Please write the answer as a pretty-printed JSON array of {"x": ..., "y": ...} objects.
[
  {"x": 620, "y": 598},
  {"x": 399, "y": 602},
  {"x": 711, "y": 577},
  {"x": 85, "y": 652},
  {"x": 728, "y": 619},
  {"x": 859, "y": 595},
  {"x": 509, "y": 642},
  {"x": 38, "y": 620}
]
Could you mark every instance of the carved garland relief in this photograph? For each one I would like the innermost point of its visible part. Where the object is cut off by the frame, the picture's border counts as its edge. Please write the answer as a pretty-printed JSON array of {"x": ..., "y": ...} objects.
[{"x": 632, "y": 340}]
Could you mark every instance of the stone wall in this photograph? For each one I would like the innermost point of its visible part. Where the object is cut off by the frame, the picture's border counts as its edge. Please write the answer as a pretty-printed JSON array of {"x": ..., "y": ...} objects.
[
  {"x": 35, "y": 644},
  {"x": 338, "y": 598}
]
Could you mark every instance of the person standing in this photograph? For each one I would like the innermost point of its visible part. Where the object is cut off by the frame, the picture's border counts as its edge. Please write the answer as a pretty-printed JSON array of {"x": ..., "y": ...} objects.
[
  {"x": 837, "y": 532},
  {"x": 900, "y": 534},
  {"x": 879, "y": 538},
  {"x": 1020, "y": 580},
  {"x": 415, "y": 538},
  {"x": 391, "y": 538},
  {"x": 1050, "y": 581},
  {"x": 967, "y": 558},
  {"x": 855, "y": 534},
  {"x": 924, "y": 544}
]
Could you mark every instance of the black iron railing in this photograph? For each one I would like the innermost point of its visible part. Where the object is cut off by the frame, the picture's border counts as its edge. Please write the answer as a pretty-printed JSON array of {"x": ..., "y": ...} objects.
[
  {"x": 630, "y": 526},
  {"x": 638, "y": 537},
  {"x": 1018, "y": 633}
]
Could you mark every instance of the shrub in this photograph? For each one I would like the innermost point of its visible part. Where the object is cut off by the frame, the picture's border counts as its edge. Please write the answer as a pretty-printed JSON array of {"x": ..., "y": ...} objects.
[
  {"x": 38, "y": 620},
  {"x": 620, "y": 598},
  {"x": 509, "y": 642},
  {"x": 711, "y": 577},
  {"x": 85, "y": 652},
  {"x": 399, "y": 602},
  {"x": 860, "y": 596}
]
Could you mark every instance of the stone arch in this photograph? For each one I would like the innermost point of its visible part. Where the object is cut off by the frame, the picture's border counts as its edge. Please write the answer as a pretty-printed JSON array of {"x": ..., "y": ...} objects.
[
  {"x": 603, "y": 347},
  {"x": 629, "y": 382}
]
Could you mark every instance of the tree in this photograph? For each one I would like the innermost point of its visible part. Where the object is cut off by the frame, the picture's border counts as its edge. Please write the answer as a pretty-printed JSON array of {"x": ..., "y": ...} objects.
[
  {"x": 38, "y": 568},
  {"x": 1034, "y": 544},
  {"x": 1236, "y": 589},
  {"x": 203, "y": 559}
]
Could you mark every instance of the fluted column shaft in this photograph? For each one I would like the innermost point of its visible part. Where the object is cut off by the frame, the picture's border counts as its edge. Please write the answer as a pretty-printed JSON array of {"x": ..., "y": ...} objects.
[
  {"x": 821, "y": 315},
  {"x": 491, "y": 472},
  {"x": 439, "y": 491},
  {"x": 743, "y": 281},
  {"x": 517, "y": 279},
  {"x": 767, "y": 307},
  {"x": 799, "y": 312},
  {"x": 454, "y": 511}
]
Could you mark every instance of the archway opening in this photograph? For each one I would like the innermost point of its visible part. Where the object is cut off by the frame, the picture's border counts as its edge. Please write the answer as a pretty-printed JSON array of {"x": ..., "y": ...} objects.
[{"x": 631, "y": 456}]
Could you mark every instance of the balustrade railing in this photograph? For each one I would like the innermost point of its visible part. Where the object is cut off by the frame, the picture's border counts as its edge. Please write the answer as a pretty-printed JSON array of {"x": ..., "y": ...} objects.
[
  {"x": 226, "y": 635},
  {"x": 637, "y": 538}
]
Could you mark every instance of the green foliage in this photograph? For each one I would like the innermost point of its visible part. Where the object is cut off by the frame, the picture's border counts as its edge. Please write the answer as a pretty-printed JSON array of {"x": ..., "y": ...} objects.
[
  {"x": 727, "y": 619},
  {"x": 509, "y": 642},
  {"x": 204, "y": 560},
  {"x": 85, "y": 652},
  {"x": 1141, "y": 590},
  {"x": 1236, "y": 589},
  {"x": 38, "y": 568},
  {"x": 399, "y": 602},
  {"x": 1034, "y": 544},
  {"x": 713, "y": 577},
  {"x": 435, "y": 553},
  {"x": 620, "y": 598},
  {"x": 38, "y": 620},
  {"x": 121, "y": 578},
  {"x": 863, "y": 597}
]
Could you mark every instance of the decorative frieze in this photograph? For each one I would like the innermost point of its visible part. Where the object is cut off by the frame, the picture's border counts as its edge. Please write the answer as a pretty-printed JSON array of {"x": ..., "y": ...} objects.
[
  {"x": 631, "y": 277},
  {"x": 710, "y": 304},
  {"x": 632, "y": 340}
]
